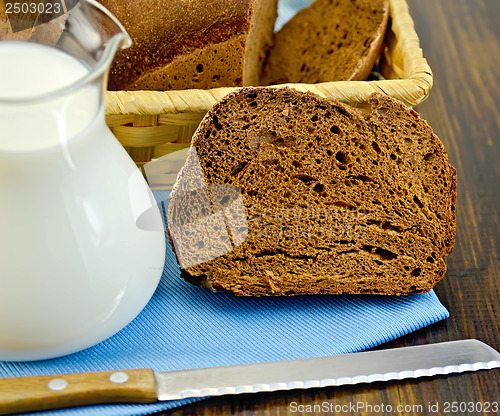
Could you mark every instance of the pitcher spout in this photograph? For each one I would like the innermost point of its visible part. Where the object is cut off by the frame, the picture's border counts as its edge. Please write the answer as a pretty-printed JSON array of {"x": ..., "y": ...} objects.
[{"x": 93, "y": 34}]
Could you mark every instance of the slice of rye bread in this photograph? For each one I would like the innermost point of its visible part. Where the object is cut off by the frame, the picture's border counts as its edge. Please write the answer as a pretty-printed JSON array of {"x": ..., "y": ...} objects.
[
  {"x": 331, "y": 40},
  {"x": 335, "y": 200}
]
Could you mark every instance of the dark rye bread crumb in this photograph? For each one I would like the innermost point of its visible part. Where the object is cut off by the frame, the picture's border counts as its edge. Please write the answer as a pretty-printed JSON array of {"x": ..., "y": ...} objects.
[
  {"x": 336, "y": 201},
  {"x": 180, "y": 44},
  {"x": 331, "y": 40}
]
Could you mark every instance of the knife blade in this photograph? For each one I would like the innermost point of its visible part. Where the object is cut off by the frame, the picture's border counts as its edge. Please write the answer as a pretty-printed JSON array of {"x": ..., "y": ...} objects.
[{"x": 146, "y": 386}]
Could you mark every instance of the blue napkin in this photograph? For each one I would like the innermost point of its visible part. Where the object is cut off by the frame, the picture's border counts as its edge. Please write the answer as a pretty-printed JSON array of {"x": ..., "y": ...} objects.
[{"x": 188, "y": 327}]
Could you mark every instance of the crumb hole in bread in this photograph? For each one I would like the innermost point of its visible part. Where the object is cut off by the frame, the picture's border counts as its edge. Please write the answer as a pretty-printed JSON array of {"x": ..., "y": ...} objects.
[
  {"x": 341, "y": 157},
  {"x": 376, "y": 147},
  {"x": 318, "y": 187},
  {"x": 238, "y": 168},
  {"x": 430, "y": 259},
  {"x": 335, "y": 129},
  {"x": 342, "y": 110},
  {"x": 418, "y": 202},
  {"x": 314, "y": 118},
  {"x": 296, "y": 164},
  {"x": 393, "y": 156},
  {"x": 304, "y": 178},
  {"x": 380, "y": 252},
  {"x": 416, "y": 272},
  {"x": 388, "y": 226},
  {"x": 428, "y": 157},
  {"x": 385, "y": 254}
]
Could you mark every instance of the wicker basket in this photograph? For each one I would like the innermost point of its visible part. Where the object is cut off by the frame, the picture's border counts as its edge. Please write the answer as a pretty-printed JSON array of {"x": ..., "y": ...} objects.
[{"x": 153, "y": 124}]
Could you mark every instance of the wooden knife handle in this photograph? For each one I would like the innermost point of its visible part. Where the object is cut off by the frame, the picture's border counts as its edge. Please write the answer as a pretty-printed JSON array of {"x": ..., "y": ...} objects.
[{"x": 26, "y": 394}]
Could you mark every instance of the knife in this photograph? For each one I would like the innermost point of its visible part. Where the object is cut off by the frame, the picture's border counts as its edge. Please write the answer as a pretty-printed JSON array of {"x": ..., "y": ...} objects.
[{"x": 147, "y": 386}]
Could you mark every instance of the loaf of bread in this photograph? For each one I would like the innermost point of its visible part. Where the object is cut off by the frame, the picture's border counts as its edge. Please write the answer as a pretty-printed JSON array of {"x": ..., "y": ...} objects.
[
  {"x": 182, "y": 44},
  {"x": 331, "y": 40},
  {"x": 287, "y": 193}
]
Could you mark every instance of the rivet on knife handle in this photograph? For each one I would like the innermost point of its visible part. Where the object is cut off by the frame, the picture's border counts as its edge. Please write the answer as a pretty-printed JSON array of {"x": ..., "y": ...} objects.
[{"x": 26, "y": 394}]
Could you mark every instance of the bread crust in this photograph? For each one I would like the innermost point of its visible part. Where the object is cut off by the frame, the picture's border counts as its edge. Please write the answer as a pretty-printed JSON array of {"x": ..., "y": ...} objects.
[
  {"x": 165, "y": 33},
  {"x": 366, "y": 63}
]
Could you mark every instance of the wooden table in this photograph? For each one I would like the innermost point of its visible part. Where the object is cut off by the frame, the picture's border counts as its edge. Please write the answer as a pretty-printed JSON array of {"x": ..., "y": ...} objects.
[{"x": 461, "y": 41}]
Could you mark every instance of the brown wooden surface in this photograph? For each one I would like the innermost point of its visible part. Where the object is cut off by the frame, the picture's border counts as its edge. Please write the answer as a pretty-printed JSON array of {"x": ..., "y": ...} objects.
[{"x": 461, "y": 40}]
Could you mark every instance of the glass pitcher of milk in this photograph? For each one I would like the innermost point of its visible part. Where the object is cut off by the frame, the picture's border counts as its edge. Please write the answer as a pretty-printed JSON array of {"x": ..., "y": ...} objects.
[{"x": 82, "y": 242}]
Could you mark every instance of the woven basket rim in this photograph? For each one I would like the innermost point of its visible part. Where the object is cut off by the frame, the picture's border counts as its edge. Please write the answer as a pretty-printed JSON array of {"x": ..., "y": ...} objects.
[{"x": 412, "y": 88}]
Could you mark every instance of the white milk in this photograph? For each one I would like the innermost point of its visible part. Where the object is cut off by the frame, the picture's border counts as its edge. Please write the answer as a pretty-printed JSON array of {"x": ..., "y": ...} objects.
[{"x": 74, "y": 267}]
